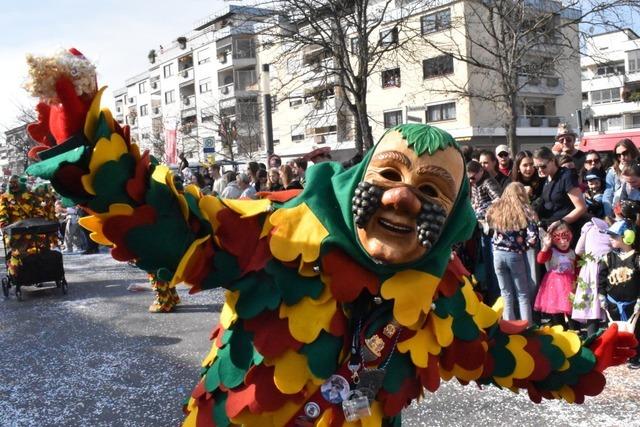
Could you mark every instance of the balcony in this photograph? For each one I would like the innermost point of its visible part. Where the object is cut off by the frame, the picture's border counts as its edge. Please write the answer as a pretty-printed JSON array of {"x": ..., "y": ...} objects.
[
  {"x": 156, "y": 111},
  {"x": 189, "y": 106},
  {"x": 185, "y": 75},
  {"x": 539, "y": 121},
  {"x": 226, "y": 91},
  {"x": 241, "y": 53},
  {"x": 234, "y": 30},
  {"x": 604, "y": 82},
  {"x": 544, "y": 85},
  {"x": 245, "y": 81}
]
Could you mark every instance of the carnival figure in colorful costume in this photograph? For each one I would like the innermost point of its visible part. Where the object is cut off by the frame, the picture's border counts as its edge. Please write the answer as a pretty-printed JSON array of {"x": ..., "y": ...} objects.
[
  {"x": 16, "y": 204},
  {"x": 343, "y": 301}
]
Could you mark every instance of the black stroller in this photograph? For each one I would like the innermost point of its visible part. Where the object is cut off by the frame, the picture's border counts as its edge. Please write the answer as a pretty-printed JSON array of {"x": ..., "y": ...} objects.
[{"x": 39, "y": 264}]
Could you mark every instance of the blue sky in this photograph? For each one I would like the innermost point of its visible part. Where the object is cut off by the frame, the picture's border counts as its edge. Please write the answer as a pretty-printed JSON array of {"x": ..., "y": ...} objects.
[{"x": 115, "y": 34}]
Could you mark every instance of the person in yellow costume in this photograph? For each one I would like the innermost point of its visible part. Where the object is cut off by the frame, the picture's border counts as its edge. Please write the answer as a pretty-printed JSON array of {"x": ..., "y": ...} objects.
[{"x": 343, "y": 302}]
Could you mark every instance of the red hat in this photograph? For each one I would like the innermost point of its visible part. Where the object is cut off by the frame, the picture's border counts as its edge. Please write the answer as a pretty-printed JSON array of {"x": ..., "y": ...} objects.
[{"x": 318, "y": 152}]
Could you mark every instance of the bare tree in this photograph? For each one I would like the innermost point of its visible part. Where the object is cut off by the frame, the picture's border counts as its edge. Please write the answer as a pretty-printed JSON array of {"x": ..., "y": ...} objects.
[
  {"x": 511, "y": 46},
  {"x": 17, "y": 139},
  {"x": 342, "y": 43}
]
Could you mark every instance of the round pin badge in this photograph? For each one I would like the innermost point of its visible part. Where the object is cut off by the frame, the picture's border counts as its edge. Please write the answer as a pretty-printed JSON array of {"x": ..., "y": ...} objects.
[
  {"x": 312, "y": 410},
  {"x": 335, "y": 389}
]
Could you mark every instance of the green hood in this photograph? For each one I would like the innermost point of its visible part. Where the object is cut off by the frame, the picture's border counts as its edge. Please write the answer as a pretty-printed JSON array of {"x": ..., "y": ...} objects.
[{"x": 328, "y": 192}]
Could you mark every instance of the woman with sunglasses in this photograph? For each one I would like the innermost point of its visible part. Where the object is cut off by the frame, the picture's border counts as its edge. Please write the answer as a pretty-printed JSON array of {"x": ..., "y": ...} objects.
[
  {"x": 626, "y": 153},
  {"x": 561, "y": 195}
]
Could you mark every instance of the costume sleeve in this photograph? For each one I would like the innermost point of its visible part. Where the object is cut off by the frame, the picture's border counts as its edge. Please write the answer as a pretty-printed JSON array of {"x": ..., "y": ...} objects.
[
  {"x": 136, "y": 209},
  {"x": 603, "y": 275},
  {"x": 4, "y": 212},
  {"x": 465, "y": 339},
  {"x": 543, "y": 256}
]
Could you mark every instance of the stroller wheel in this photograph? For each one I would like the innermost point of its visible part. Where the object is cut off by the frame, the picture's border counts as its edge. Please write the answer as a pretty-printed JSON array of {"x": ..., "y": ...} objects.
[
  {"x": 64, "y": 286},
  {"x": 5, "y": 287},
  {"x": 18, "y": 293}
]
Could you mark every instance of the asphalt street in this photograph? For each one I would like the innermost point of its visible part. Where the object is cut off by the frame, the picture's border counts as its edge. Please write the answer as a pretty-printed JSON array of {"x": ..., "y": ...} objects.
[{"x": 96, "y": 357}]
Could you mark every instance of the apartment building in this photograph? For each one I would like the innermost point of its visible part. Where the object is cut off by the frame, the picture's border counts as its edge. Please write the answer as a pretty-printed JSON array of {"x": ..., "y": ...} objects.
[
  {"x": 611, "y": 89},
  {"x": 14, "y": 150},
  {"x": 418, "y": 86},
  {"x": 199, "y": 89}
]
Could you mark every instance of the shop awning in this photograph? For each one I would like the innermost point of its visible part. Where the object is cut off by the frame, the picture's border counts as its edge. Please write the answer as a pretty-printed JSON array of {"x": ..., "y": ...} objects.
[{"x": 606, "y": 141}]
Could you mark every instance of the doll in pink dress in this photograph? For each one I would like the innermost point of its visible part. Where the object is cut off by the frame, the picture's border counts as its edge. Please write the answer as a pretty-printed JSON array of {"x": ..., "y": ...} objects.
[{"x": 558, "y": 283}]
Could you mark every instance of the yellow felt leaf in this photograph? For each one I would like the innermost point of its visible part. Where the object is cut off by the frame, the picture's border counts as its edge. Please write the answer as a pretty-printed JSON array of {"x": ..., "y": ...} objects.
[
  {"x": 465, "y": 374},
  {"x": 567, "y": 394},
  {"x": 95, "y": 222},
  {"x": 325, "y": 419},
  {"x": 105, "y": 150},
  {"x": 266, "y": 229},
  {"x": 420, "y": 346},
  {"x": 91, "y": 121},
  {"x": 291, "y": 372},
  {"x": 498, "y": 307},
  {"x": 210, "y": 206},
  {"x": 442, "y": 329},
  {"x": 297, "y": 232},
  {"x": 444, "y": 374},
  {"x": 192, "y": 418},
  {"x": 228, "y": 314},
  {"x": 567, "y": 341},
  {"x": 412, "y": 291},
  {"x": 179, "y": 275},
  {"x": 213, "y": 352},
  {"x": 247, "y": 208},
  {"x": 471, "y": 299},
  {"x": 485, "y": 317},
  {"x": 375, "y": 419},
  {"x": 194, "y": 190},
  {"x": 524, "y": 362},
  {"x": 307, "y": 318},
  {"x": 182, "y": 202},
  {"x": 307, "y": 269}
]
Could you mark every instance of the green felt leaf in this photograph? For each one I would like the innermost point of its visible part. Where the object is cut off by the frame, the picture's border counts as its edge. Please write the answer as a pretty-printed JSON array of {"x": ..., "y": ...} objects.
[
  {"x": 230, "y": 374},
  {"x": 583, "y": 362},
  {"x": 46, "y": 169},
  {"x": 160, "y": 245},
  {"x": 110, "y": 183},
  {"x": 192, "y": 202},
  {"x": 219, "y": 413},
  {"x": 323, "y": 354},
  {"x": 293, "y": 286},
  {"x": 102, "y": 129},
  {"x": 399, "y": 368},
  {"x": 465, "y": 328},
  {"x": 241, "y": 346},
  {"x": 552, "y": 353},
  {"x": 225, "y": 271},
  {"x": 164, "y": 274},
  {"x": 505, "y": 362},
  {"x": 212, "y": 378},
  {"x": 162, "y": 199},
  {"x": 257, "y": 357},
  {"x": 258, "y": 292},
  {"x": 454, "y": 305}
]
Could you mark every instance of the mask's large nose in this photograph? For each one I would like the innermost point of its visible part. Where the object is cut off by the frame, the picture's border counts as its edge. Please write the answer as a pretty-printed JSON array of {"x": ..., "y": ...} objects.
[{"x": 401, "y": 199}]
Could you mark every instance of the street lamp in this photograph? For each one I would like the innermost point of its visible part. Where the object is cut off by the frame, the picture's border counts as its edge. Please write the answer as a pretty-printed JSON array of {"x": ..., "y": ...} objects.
[{"x": 267, "y": 125}]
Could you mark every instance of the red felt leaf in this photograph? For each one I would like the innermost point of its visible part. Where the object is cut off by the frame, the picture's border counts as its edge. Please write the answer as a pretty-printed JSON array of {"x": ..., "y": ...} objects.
[
  {"x": 198, "y": 390},
  {"x": 613, "y": 348},
  {"x": 489, "y": 364},
  {"x": 34, "y": 151},
  {"x": 205, "y": 413},
  {"x": 239, "y": 398},
  {"x": 590, "y": 384},
  {"x": 469, "y": 355},
  {"x": 271, "y": 334},
  {"x": 117, "y": 227},
  {"x": 339, "y": 322},
  {"x": 392, "y": 404},
  {"x": 513, "y": 327},
  {"x": 68, "y": 176},
  {"x": 67, "y": 118},
  {"x": 238, "y": 236},
  {"x": 198, "y": 269},
  {"x": 267, "y": 395},
  {"x": 541, "y": 365},
  {"x": 534, "y": 394},
  {"x": 348, "y": 279},
  {"x": 279, "y": 196},
  {"x": 430, "y": 376},
  {"x": 260, "y": 256},
  {"x": 123, "y": 131},
  {"x": 39, "y": 130},
  {"x": 136, "y": 185}
]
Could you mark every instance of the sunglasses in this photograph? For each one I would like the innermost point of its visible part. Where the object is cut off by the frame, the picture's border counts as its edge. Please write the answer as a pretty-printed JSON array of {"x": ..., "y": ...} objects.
[
  {"x": 503, "y": 154},
  {"x": 543, "y": 167},
  {"x": 622, "y": 153},
  {"x": 592, "y": 162}
]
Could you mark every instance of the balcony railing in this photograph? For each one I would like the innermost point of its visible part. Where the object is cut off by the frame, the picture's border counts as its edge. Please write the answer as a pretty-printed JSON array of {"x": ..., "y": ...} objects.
[
  {"x": 189, "y": 102},
  {"x": 226, "y": 91},
  {"x": 244, "y": 80},
  {"x": 539, "y": 121},
  {"x": 186, "y": 74}
]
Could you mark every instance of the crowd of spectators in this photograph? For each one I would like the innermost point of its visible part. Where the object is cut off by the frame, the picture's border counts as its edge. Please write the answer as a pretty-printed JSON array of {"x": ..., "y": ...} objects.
[{"x": 556, "y": 234}]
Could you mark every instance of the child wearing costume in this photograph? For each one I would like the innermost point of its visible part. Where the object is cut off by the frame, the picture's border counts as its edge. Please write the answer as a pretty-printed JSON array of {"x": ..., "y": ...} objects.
[
  {"x": 558, "y": 283},
  {"x": 619, "y": 278},
  {"x": 592, "y": 246},
  {"x": 343, "y": 301}
]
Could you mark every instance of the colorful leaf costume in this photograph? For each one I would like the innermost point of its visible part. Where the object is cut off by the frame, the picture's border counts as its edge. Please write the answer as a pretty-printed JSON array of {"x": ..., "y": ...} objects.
[{"x": 307, "y": 309}]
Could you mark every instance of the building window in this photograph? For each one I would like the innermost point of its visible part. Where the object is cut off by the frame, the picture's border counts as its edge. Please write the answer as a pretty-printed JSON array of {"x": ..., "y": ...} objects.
[
  {"x": 392, "y": 118},
  {"x": 605, "y": 96},
  {"x": 204, "y": 56},
  {"x": 635, "y": 121},
  {"x": 354, "y": 45},
  {"x": 391, "y": 78},
  {"x": 438, "y": 66},
  {"x": 170, "y": 97},
  {"x": 297, "y": 138},
  {"x": 142, "y": 87},
  {"x": 274, "y": 102},
  {"x": 634, "y": 61},
  {"x": 144, "y": 110},
  {"x": 294, "y": 102},
  {"x": 441, "y": 112},
  {"x": 437, "y": 21},
  {"x": 205, "y": 86},
  {"x": 389, "y": 37},
  {"x": 612, "y": 69},
  {"x": 168, "y": 70},
  {"x": 585, "y": 96},
  {"x": 206, "y": 115}
]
